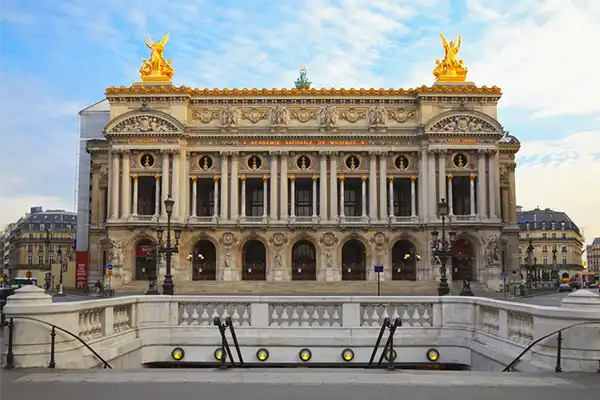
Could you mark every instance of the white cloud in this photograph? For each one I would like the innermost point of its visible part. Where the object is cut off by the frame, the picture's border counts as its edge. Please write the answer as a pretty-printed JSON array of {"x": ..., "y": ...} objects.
[{"x": 563, "y": 175}]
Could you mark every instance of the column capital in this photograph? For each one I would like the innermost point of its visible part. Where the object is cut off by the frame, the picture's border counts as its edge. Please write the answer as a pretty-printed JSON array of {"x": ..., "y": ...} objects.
[
  {"x": 492, "y": 152},
  {"x": 314, "y": 178},
  {"x": 243, "y": 179},
  {"x": 216, "y": 178},
  {"x": 125, "y": 151},
  {"x": 234, "y": 154},
  {"x": 165, "y": 151},
  {"x": 273, "y": 153},
  {"x": 482, "y": 152},
  {"x": 471, "y": 178},
  {"x": 134, "y": 177},
  {"x": 292, "y": 178},
  {"x": 284, "y": 153},
  {"x": 442, "y": 152},
  {"x": 363, "y": 179},
  {"x": 431, "y": 152},
  {"x": 511, "y": 167},
  {"x": 413, "y": 179},
  {"x": 323, "y": 153},
  {"x": 265, "y": 179},
  {"x": 194, "y": 179},
  {"x": 341, "y": 178},
  {"x": 391, "y": 178},
  {"x": 450, "y": 177},
  {"x": 157, "y": 177}
]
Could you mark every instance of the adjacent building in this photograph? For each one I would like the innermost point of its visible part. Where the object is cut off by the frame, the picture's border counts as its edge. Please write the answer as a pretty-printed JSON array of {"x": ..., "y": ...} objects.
[
  {"x": 593, "y": 257},
  {"x": 556, "y": 240},
  {"x": 304, "y": 184}
]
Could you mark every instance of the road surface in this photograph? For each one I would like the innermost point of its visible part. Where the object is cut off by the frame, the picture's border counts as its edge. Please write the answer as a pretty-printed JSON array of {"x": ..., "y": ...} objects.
[{"x": 294, "y": 384}]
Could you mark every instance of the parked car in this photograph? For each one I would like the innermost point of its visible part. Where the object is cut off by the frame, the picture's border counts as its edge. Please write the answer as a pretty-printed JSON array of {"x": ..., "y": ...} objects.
[
  {"x": 565, "y": 287},
  {"x": 593, "y": 286}
]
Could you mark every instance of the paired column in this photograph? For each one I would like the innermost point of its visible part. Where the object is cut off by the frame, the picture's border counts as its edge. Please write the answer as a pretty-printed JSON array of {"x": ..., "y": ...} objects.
[
  {"x": 292, "y": 197},
  {"x": 224, "y": 186},
  {"x": 126, "y": 186},
  {"x": 442, "y": 174},
  {"x": 165, "y": 180},
  {"x": 333, "y": 190},
  {"x": 195, "y": 197},
  {"x": 265, "y": 197},
  {"x": 157, "y": 196},
  {"x": 512, "y": 193},
  {"x": 114, "y": 188},
  {"x": 135, "y": 195},
  {"x": 274, "y": 174},
  {"x": 323, "y": 185},
  {"x": 283, "y": 189},
  {"x": 314, "y": 196},
  {"x": 216, "y": 197},
  {"x": 391, "y": 194},
  {"x": 235, "y": 165},
  {"x": 364, "y": 196},
  {"x": 243, "y": 199},
  {"x": 494, "y": 188},
  {"x": 422, "y": 189},
  {"x": 472, "y": 194},
  {"x": 431, "y": 185},
  {"x": 481, "y": 184},
  {"x": 342, "y": 216},
  {"x": 413, "y": 195},
  {"x": 383, "y": 187},
  {"x": 373, "y": 186},
  {"x": 450, "y": 196},
  {"x": 175, "y": 195}
]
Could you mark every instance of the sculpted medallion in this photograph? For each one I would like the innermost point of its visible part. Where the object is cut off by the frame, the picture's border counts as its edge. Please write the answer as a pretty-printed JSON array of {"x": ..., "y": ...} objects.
[
  {"x": 206, "y": 115},
  {"x": 228, "y": 238},
  {"x": 254, "y": 115},
  {"x": 352, "y": 115},
  {"x": 303, "y": 115},
  {"x": 401, "y": 115}
]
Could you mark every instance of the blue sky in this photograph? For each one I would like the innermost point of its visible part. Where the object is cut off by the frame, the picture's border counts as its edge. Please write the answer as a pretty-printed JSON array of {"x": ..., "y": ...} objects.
[{"x": 57, "y": 57}]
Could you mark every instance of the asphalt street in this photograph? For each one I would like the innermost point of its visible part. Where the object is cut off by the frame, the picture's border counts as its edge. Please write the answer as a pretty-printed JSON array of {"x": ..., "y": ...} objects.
[{"x": 295, "y": 384}]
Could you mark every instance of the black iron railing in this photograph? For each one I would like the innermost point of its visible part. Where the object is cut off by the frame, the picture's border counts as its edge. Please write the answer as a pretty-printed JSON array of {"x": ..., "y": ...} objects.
[
  {"x": 10, "y": 357},
  {"x": 388, "y": 349},
  {"x": 225, "y": 349},
  {"x": 559, "y": 339}
]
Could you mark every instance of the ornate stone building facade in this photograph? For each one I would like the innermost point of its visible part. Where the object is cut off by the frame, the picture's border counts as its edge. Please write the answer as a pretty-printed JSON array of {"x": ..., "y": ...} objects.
[{"x": 304, "y": 184}]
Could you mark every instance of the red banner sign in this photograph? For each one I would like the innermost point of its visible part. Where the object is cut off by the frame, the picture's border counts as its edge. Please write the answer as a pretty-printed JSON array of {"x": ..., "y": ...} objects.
[
  {"x": 81, "y": 268},
  {"x": 143, "y": 250}
]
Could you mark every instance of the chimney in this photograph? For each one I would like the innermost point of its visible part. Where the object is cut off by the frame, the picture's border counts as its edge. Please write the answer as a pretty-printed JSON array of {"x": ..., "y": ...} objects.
[
  {"x": 519, "y": 209},
  {"x": 37, "y": 209}
]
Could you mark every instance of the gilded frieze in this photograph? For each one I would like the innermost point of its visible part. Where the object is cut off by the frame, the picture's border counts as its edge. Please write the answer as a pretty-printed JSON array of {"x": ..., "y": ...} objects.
[
  {"x": 303, "y": 115},
  {"x": 352, "y": 115},
  {"x": 255, "y": 115},
  {"x": 206, "y": 115}
]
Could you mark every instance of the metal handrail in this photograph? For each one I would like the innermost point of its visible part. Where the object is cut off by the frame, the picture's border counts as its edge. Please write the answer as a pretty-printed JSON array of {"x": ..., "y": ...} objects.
[
  {"x": 389, "y": 344},
  {"x": 10, "y": 355},
  {"x": 558, "y": 367},
  {"x": 225, "y": 345},
  {"x": 386, "y": 323}
]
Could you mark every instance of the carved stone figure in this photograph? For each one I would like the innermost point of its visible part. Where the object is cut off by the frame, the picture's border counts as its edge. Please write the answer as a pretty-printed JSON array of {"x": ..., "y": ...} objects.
[
  {"x": 462, "y": 123},
  {"x": 380, "y": 241},
  {"x": 144, "y": 123},
  {"x": 328, "y": 116},
  {"x": 329, "y": 257},
  {"x": 278, "y": 116},
  {"x": 450, "y": 69},
  {"x": 115, "y": 251},
  {"x": 376, "y": 116},
  {"x": 492, "y": 250},
  {"x": 157, "y": 69},
  {"x": 228, "y": 258},
  {"x": 230, "y": 116},
  {"x": 278, "y": 259},
  {"x": 328, "y": 239}
]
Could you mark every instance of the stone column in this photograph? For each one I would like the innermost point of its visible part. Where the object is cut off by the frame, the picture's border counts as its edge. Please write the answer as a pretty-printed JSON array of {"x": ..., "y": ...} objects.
[
  {"x": 157, "y": 196},
  {"x": 176, "y": 195},
  {"x": 481, "y": 185},
  {"x": 194, "y": 197},
  {"x": 135, "y": 195},
  {"x": 224, "y": 186},
  {"x": 333, "y": 190},
  {"x": 364, "y": 196},
  {"x": 442, "y": 174},
  {"x": 265, "y": 198},
  {"x": 450, "y": 195},
  {"x": 274, "y": 173},
  {"x": 109, "y": 206},
  {"x": 373, "y": 186},
  {"x": 493, "y": 184},
  {"x": 413, "y": 197},
  {"x": 96, "y": 208},
  {"x": 184, "y": 182},
  {"x": 165, "y": 181},
  {"x": 497, "y": 179},
  {"x": 391, "y": 194},
  {"x": 323, "y": 186},
  {"x": 341, "y": 205},
  {"x": 383, "y": 187},
  {"x": 512, "y": 194},
  {"x": 431, "y": 185},
  {"x": 126, "y": 186},
  {"x": 243, "y": 197},
  {"x": 505, "y": 205},
  {"x": 314, "y": 197},
  {"x": 422, "y": 189},
  {"x": 114, "y": 203},
  {"x": 235, "y": 208},
  {"x": 472, "y": 194},
  {"x": 283, "y": 188},
  {"x": 292, "y": 197},
  {"x": 216, "y": 197}
]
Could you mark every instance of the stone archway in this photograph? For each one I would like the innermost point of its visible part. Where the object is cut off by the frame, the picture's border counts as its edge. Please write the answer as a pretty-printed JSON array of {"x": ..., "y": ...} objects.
[
  {"x": 254, "y": 261},
  {"x": 404, "y": 260},
  {"x": 304, "y": 261},
  {"x": 204, "y": 261},
  {"x": 463, "y": 260},
  {"x": 144, "y": 259},
  {"x": 354, "y": 261}
]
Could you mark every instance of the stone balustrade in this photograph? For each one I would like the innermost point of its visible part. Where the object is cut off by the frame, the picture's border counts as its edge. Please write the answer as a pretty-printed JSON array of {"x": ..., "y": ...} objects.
[{"x": 478, "y": 332}]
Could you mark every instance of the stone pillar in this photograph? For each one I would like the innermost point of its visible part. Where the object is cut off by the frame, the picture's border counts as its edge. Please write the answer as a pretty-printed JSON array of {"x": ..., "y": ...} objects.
[
  {"x": 114, "y": 202},
  {"x": 216, "y": 197},
  {"x": 126, "y": 186},
  {"x": 505, "y": 205},
  {"x": 481, "y": 185},
  {"x": 314, "y": 197},
  {"x": 373, "y": 186},
  {"x": 194, "y": 197},
  {"x": 472, "y": 194},
  {"x": 96, "y": 208},
  {"x": 413, "y": 195},
  {"x": 224, "y": 186},
  {"x": 165, "y": 181},
  {"x": 292, "y": 197},
  {"x": 176, "y": 195},
  {"x": 333, "y": 190},
  {"x": 323, "y": 186},
  {"x": 135, "y": 195},
  {"x": 109, "y": 206},
  {"x": 442, "y": 174},
  {"x": 342, "y": 214},
  {"x": 512, "y": 194},
  {"x": 265, "y": 198},
  {"x": 243, "y": 197},
  {"x": 157, "y": 196},
  {"x": 391, "y": 194},
  {"x": 235, "y": 208},
  {"x": 283, "y": 189},
  {"x": 383, "y": 187},
  {"x": 493, "y": 184},
  {"x": 274, "y": 173},
  {"x": 450, "y": 195},
  {"x": 184, "y": 182},
  {"x": 497, "y": 179},
  {"x": 363, "y": 190},
  {"x": 422, "y": 189},
  {"x": 431, "y": 185}
]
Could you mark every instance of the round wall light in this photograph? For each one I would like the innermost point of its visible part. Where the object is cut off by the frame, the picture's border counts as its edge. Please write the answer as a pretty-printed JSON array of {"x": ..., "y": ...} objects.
[
  {"x": 305, "y": 355},
  {"x": 348, "y": 355},
  {"x": 262, "y": 354},
  {"x": 178, "y": 354},
  {"x": 390, "y": 355},
  {"x": 219, "y": 353},
  {"x": 433, "y": 355}
]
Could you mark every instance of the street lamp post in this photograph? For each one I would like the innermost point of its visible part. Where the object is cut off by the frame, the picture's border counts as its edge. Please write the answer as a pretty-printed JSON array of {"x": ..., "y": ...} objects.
[
  {"x": 42, "y": 253},
  {"x": 529, "y": 263},
  {"x": 441, "y": 248},
  {"x": 554, "y": 266},
  {"x": 60, "y": 263},
  {"x": 466, "y": 287},
  {"x": 168, "y": 248}
]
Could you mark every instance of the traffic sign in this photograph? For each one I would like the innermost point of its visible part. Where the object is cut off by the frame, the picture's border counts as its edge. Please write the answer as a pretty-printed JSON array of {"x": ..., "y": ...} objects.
[
  {"x": 28, "y": 274},
  {"x": 503, "y": 275},
  {"x": 109, "y": 272},
  {"x": 378, "y": 268},
  {"x": 109, "y": 267}
]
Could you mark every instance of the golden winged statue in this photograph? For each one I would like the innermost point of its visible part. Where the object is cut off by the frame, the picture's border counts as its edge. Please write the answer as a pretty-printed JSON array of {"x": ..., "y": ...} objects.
[
  {"x": 157, "y": 69},
  {"x": 450, "y": 69}
]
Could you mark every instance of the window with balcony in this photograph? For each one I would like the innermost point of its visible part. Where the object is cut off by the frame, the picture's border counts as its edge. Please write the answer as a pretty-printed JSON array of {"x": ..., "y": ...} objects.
[
  {"x": 544, "y": 236},
  {"x": 545, "y": 249},
  {"x": 40, "y": 260},
  {"x": 30, "y": 247},
  {"x": 554, "y": 236},
  {"x": 304, "y": 194},
  {"x": 205, "y": 197},
  {"x": 545, "y": 260},
  {"x": 564, "y": 236},
  {"x": 254, "y": 197},
  {"x": 564, "y": 249},
  {"x": 352, "y": 197}
]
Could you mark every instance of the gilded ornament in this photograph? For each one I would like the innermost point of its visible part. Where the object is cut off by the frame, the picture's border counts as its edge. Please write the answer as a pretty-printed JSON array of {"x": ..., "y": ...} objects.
[
  {"x": 254, "y": 115},
  {"x": 157, "y": 69},
  {"x": 401, "y": 115},
  {"x": 352, "y": 115},
  {"x": 303, "y": 115},
  {"x": 450, "y": 69},
  {"x": 206, "y": 115}
]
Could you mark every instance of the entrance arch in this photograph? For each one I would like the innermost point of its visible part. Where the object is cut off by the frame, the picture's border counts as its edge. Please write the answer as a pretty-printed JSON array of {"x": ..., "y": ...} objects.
[
  {"x": 254, "y": 261},
  {"x": 304, "y": 261},
  {"x": 204, "y": 261},
  {"x": 404, "y": 261},
  {"x": 463, "y": 258},
  {"x": 145, "y": 259},
  {"x": 354, "y": 261}
]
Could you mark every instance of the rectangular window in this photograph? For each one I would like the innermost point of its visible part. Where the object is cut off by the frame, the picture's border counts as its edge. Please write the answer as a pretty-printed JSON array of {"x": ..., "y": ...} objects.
[
  {"x": 41, "y": 260},
  {"x": 564, "y": 261},
  {"x": 545, "y": 260},
  {"x": 29, "y": 260},
  {"x": 544, "y": 236},
  {"x": 564, "y": 235},
  {"x": 42, "y": 227},
  {"x": 51, "y": 260},
  {"x": 554, "y": 236}
]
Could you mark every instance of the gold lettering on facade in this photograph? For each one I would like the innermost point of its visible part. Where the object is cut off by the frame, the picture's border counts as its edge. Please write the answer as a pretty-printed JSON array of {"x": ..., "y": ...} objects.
[{"x": 304, "y": 143}]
